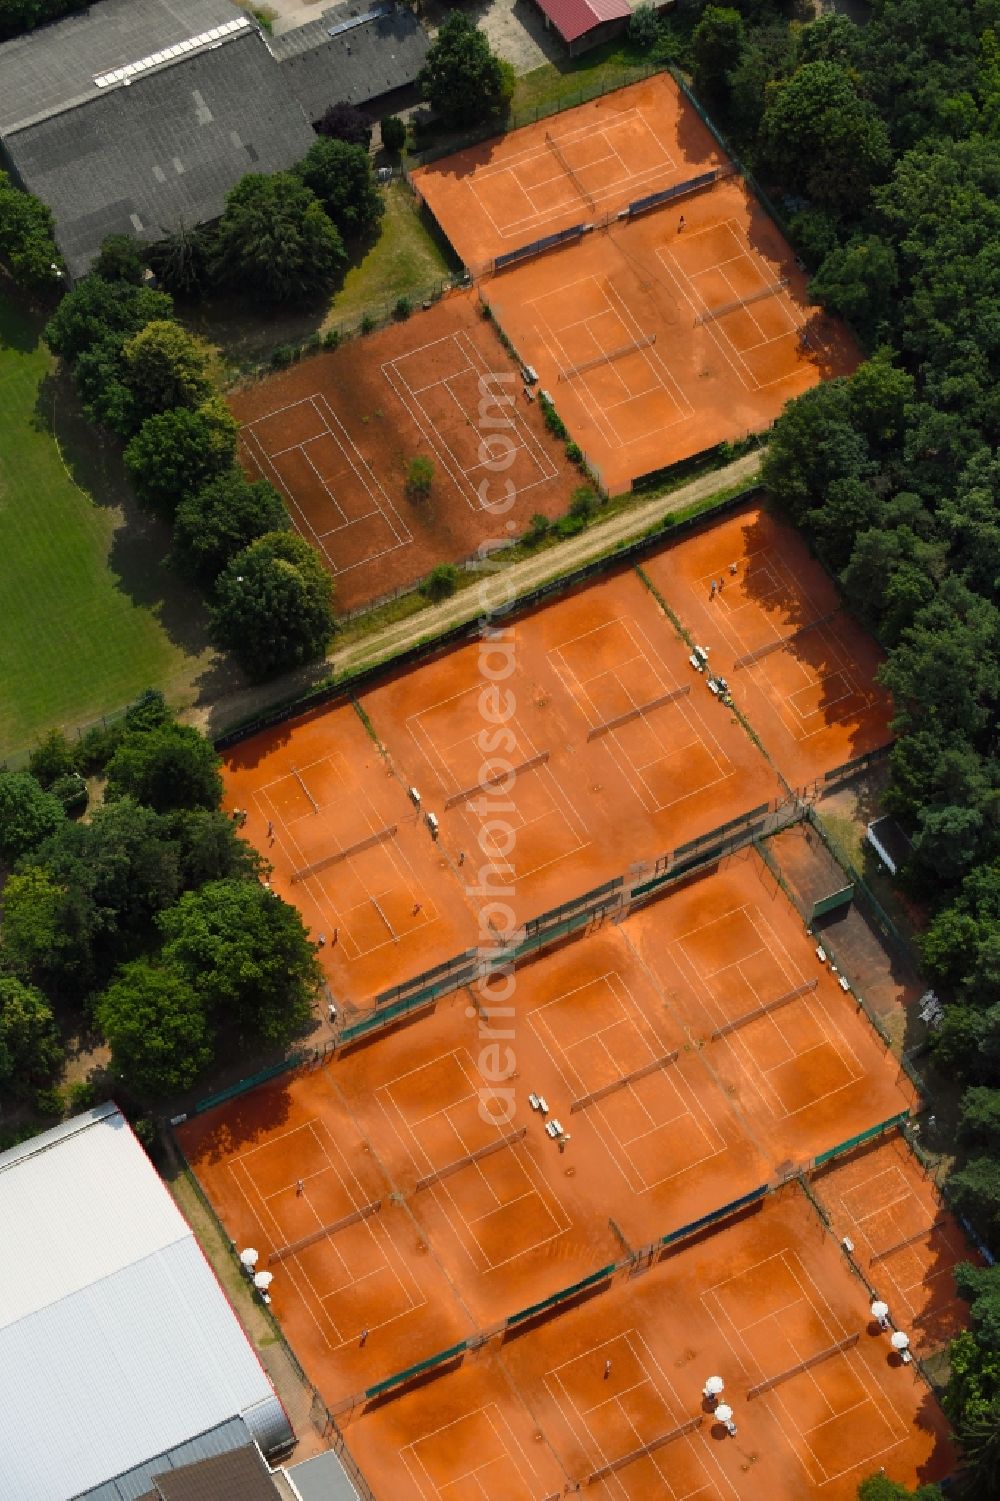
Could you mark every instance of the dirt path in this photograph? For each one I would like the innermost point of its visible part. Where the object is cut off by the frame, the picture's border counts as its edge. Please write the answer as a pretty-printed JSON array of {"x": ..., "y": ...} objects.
[{"x": 494, "y": 590}]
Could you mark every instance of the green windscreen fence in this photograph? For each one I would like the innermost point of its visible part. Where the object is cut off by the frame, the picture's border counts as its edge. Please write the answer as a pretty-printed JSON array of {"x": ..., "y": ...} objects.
[
  {"x": 833, "y": 903},
  {"x": 861, "y": 1138}
]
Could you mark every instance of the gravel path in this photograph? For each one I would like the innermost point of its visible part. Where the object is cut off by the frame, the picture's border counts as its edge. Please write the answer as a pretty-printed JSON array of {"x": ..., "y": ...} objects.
[{"x": 495, "y": 589}]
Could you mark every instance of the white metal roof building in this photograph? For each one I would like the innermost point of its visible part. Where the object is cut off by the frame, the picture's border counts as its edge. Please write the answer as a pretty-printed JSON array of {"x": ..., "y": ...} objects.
[{"x": 117, "y": 1343}]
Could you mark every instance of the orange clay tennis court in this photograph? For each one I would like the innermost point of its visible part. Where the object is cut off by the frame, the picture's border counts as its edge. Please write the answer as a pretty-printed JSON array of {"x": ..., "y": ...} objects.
[
  {"x": 336, "y": 433},
  {"x": 348, "y": 849},
  {"x": 799, "y": 667},
  {"x": 544, "y": 177},
  {"x": 906, "y": 1241},
  {"x": 656, "y": 341},
  {"x": 609, "y": 1393},
  {"x": 620, "y": 752},
  {"x": 385, "y": 1179}
]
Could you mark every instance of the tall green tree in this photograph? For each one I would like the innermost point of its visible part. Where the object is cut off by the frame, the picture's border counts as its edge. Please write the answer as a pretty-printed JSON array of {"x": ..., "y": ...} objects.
[
  {"x": 717, "y": 45},
  {"x": 155, "y": 1023},
  {"x": 165, "y": 367},
  {"x": 174, "y": 766},
  {"x": 30, "y": 1050},
  {"x": 462, "y": 79},
  {"x": 275, "y": 242},
  {"x": 27, "y": 239},
  {"x": 176, "y": 453},
  {"x": 221, "y": 519},
  {"x": 341, "y": 176},
  {"x": 27, "y": 814},
  {"x": 274, "y": 604},
  {"x": 245, "y": 954},
  {"x": 822, "y": 139}
]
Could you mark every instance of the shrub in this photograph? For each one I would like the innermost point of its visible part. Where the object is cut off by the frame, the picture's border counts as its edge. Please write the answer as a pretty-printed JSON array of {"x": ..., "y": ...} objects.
[
  {"x": 393, "y": 133},
  {"x": 538, "y": 529},
  {"x": 419, "y": 478},
  {"x": 342, "y": 122},
  {"x": 331, "y": 339},
  {"x": 551, "y": 417},
  {"x": 574, "y": 453},
  {"x": 440, "y": 583},
  {"x": 71, "y": 790},
  {"x": 583, "y": 502},
  {"x": 643, "y": 27},
  {"x": 95, "y": 749},
  {"x": 570, "y": 526},
  {"x": 52, "y": 757},
  {"x": 403, "y": 308},
  {"x": 369, "y": 323}
]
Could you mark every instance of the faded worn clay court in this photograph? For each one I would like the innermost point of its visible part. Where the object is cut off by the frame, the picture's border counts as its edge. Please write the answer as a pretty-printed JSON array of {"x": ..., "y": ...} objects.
[{"x": 336, "y": 433}]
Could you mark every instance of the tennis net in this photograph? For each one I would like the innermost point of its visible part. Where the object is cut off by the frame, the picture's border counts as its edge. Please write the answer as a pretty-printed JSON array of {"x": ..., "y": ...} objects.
[
  {"x": 380, "y": 835},
  {"x": 782, "y": 641},
  {"x": 771, "y": 290},
  {"x": 803, "y": 1365},
  {"x": 501, "y": 776},
  {"x": 910, "y": 1240},
  {"x": 556, "y": 150},
  {"x": 295, "y": 1246},
  {"x": 607, "y": 357},
  {"x": 614, "y": 1465},
  {"x": 764, "y": 1009},
  {"x": 510, "y": 1140},
  {"x": 621, "y": 719},
  {"x": 597, "y": 1095}
]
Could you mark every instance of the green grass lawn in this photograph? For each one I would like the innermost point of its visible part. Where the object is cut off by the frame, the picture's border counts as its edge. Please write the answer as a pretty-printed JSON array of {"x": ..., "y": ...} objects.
[
  {"x": 405, "y": 259},
  {"x": 577, "y": 79},
  {"x": 90, "y": 614}
]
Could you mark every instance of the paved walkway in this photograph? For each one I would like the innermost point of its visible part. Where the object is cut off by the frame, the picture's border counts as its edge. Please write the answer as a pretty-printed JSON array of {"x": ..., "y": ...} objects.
[{"x": 495, "y": 589}]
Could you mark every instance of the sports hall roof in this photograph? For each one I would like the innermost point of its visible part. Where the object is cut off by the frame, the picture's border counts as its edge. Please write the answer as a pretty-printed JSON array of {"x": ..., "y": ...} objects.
[
  {"x": 351, "y": 56},
  {"x": 117, "y": 1344}
]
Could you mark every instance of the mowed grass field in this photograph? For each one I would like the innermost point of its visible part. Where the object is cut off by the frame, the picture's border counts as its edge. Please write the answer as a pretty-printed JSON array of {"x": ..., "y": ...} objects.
[{"x": 90, "y": 613}]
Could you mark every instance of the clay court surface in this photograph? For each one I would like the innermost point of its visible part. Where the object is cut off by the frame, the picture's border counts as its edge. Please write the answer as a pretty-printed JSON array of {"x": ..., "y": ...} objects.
[
  {"x": 537, "y": 1415},
  {"x": 620, "y": 752},
  {"x": 336, "y": 433},
  {"x": 811, "y": 695},
  {"x": 425, "y": 1215},
  {"x": 905, "y": 1240},
  {"x": 587, "y": 161},
  {"x": 656, "y": 343},
  {"x": 348, "y": 849}
]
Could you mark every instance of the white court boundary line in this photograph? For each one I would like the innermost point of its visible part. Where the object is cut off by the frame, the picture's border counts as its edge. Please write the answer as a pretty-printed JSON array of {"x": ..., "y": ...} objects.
[
  {"x": 263, "y": 1214},
  {"x": 696, "y": 726},
  {"x": 733, "y": 1336},
  {"x": 577, "y": 1085},
  {"x": 768, "y": 560},
  {"x": 511, "y": 1447},
  {"x": 781, "y": 959},
  {"x": 432, "y": 434},
  {"x": 597, "y": 410},
  {"x": 434, "y": 755},
  {"x": 444, "y": 1191},
  {"x": 657, "y": 1379},
  {"x": 510, "y": 165},
  {"x": 382, "y": 505},
  {"x": 390, "y": 851},
  {"x": 684, "y": 281}
]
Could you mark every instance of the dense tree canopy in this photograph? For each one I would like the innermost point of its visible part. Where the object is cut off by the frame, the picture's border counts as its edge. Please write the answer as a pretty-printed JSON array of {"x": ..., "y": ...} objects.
[
  {"x": 462, "y": 79},
  {"x": 27, "y": 237},
  {"x": 274, "y": 604},
  {"x": 156, "y": 1025},
  {"x": 30, "y": 1049},
  {"x": 178, "y": 452},
  {"x": 221, "y": 519},
  {"x": 274, "y": 240},
  {"x": 245, "y": 954},
  {"x": 27, "y": 814},
  {"x": 341, "y": 176},
  {"x": 172, "y": 766}
]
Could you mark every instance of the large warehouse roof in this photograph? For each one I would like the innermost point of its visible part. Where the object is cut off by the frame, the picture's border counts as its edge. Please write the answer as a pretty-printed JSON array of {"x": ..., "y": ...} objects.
[{"x": 116, "y": 1341}]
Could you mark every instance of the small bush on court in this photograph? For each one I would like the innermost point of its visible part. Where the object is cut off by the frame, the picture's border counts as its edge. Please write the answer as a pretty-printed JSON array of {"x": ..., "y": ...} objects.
[
  {"x": 403, "y": 308},
  {"x": 419, "y": 478},
  {"x": 440, "y": 583}
]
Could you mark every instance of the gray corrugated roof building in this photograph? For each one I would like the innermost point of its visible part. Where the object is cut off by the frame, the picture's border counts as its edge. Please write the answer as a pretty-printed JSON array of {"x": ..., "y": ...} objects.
[
  {"x": 240, "y": 1475},
  {"x": 138, "y": 116},
  {"x": 351, "y": 55},
  {"x": 121, "y": 1357}
]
